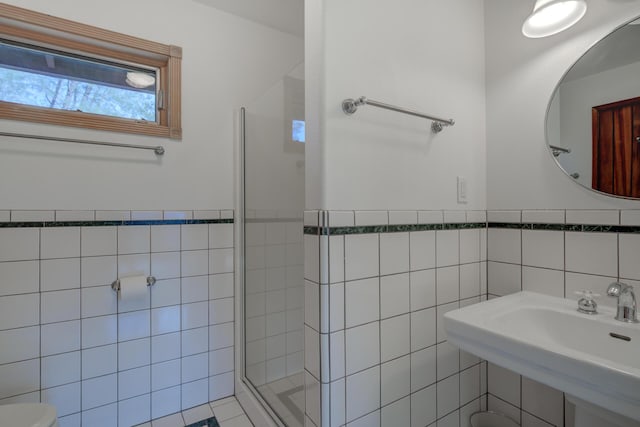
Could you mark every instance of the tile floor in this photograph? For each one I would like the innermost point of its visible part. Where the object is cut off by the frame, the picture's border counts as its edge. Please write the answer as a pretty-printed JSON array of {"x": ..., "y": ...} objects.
[{"x": 228, "y": 413}]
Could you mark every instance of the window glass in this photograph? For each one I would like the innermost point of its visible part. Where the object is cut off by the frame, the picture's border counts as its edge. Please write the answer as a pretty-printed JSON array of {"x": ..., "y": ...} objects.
[
  {"x": 298, "y": 131},
  {"x": 45, "y": 78}
]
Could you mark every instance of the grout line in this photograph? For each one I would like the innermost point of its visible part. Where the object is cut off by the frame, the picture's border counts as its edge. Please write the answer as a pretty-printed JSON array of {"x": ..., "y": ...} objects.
[
  {"x": 117, "y": 316},
  {"x": 380, "y": 343},
  {"x": 40, "y": 313},
  {"x": 208, "y": 327},
  {"x": 150, "y": 321},
  {"x": 80, "y": 321},
  {"x": 410, "y": 338},
  {"x": 328, "y": 324},
  {"x": 180, "y": 320},
  {"x": 521, "y": 258},
  {"x": 618, "y": 255},
  {"x": 564, "y": 262},
  {"x": 436, "y": 326},
  {"x": 459, "y": 299}
]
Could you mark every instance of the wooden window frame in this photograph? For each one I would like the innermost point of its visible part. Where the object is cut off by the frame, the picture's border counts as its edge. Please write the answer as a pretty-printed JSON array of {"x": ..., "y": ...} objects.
[{"x": 22, "y": 25}]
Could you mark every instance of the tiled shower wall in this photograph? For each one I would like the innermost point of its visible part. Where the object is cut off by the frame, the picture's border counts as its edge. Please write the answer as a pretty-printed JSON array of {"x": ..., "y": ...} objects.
[
  {"x": 556, "y": 253},
  {"x": 68, "y": 340},
  {"x": 377, "y": 286},
  {"x": 274, "y": 299}
]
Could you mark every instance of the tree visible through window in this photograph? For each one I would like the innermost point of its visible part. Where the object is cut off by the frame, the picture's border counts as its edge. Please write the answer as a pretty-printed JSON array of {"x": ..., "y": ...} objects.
[{"x": 72, "y": 95}]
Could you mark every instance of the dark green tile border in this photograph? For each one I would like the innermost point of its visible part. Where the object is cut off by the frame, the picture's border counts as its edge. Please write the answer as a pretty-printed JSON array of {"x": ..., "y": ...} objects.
[
  {"x": 586, "y": 228},
  {"x": 341, "y": 231},
  {"x": 209, "y": 422},
  {"x": 46, "y": 224}
]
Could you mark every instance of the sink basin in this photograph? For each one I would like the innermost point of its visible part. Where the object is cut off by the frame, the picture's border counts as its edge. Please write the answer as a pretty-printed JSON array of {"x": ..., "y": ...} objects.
[{"x": 593, "y": 358}]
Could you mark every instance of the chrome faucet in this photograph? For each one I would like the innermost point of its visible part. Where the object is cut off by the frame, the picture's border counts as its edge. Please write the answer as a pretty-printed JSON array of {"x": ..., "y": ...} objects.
[{"x": 626, "y": 301}]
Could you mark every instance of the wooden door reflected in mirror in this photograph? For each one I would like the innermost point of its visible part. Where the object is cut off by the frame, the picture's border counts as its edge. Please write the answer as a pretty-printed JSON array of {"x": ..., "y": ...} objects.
[{"x": 616, "y": 148}]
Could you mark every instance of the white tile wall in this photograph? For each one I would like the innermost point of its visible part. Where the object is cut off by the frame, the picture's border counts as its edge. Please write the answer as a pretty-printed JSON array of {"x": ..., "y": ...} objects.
[
  {"x": 544, "y": 216},
  {"x": 542, "y": 400},
  {"x": 362, "y": 297},
  {"x": 598, "y": 217},
  {"x": 32, "y": 216},
  {"x": 395, "y": 379},
  {"x": 394, "y": 253},
  {"x": 630, "y": 217},
  {"x": 541, "y": 248},
  {"x": 556, "y": 263},
  {"x": 505, "y": 245},
  {"x": 504, "y": 216},
  {"x": 440, "y": 271},
  {"x": 403, "y": 217},
  {"x": 361, "y": 256},
  {"x": 371, "y": 218},
  {"x": 388, "y": 364},
  {"x": 422, "y": 253},
  {"x": 455, "y": 217},
  {"x": 363, "y": 393},
  {"x": 68, "y": 340},
  {"x": 592, "y": 253},
  {"x": 422, "y": 289}
]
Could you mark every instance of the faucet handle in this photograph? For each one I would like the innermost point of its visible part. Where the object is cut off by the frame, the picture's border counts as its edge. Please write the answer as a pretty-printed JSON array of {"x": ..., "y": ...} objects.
[
  {"x": 616, "y": 288},
  {"x": 627, "y": 305},
  {"x": 587, "y": 304}
]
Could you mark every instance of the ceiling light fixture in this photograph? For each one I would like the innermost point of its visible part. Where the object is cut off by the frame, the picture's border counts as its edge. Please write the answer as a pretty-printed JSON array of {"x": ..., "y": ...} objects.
[
  {"x": 553, "y": 16},
  {"x": 140, "y": 80}
]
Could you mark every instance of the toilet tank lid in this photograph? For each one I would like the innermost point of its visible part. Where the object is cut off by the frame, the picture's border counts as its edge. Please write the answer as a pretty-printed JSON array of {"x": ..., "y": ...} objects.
[{"x": 28, "y": 414}]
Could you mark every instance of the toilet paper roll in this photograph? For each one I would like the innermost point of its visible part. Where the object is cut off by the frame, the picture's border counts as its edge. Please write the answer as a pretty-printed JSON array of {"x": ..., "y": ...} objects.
[{"x": 133, "y": 287}]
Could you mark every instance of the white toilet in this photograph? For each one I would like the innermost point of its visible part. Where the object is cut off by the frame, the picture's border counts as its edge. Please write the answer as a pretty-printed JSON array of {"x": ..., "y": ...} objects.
[{"x": 28, "y": 415}]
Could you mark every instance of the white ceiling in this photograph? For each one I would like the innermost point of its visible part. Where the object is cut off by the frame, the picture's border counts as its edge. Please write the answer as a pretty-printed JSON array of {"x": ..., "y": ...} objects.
[{"x": 283, "y": 15}]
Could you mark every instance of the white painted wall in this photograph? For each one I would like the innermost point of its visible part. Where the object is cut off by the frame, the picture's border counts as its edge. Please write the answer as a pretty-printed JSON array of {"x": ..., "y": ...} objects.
[
  {"x": 227, "y": 62},
  {"x": 521, "y": 77},
  {"x": 423, "y": 55}
]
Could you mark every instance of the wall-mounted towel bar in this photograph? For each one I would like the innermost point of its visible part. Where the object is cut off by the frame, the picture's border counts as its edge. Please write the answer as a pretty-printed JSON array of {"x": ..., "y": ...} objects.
[
  {"x": 350, "y": 106},
  {"x": 559, "y": 150},
  {"x": 151, "y": 280},
  {"x": 159, "y": 150}
]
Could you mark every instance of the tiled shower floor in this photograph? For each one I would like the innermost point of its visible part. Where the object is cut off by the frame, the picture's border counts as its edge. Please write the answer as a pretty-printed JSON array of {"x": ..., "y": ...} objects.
[
  {"x": 228, "y": 413},
  {"x": 286, "y": 398}
]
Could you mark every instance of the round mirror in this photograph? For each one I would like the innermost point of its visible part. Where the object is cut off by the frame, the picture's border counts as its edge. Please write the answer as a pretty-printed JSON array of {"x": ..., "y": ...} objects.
[{"x": 593, "y": 120}]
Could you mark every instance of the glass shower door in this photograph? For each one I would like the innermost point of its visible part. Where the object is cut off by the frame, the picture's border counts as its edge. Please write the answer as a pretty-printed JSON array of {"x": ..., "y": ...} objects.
[{"x": 273, "y": 248}]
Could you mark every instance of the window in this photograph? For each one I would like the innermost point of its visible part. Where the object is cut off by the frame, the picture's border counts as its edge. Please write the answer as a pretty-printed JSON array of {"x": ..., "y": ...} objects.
[
  {"x": 297, "y": 131},
  {"x": 61, "y": 72},
  {"x": 294, "y": 126}
]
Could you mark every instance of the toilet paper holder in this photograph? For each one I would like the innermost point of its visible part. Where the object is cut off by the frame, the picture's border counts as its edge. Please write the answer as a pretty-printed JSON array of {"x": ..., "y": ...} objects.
[{"x": 116, "y": 284}]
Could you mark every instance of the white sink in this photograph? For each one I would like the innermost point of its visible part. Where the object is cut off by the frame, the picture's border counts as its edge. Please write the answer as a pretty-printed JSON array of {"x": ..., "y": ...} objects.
[{"x": 545, "y": 338}]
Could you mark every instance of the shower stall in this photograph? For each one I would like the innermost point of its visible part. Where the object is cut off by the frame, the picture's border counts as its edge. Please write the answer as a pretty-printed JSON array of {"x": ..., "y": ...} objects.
[{"x": 273, "y": 149}]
